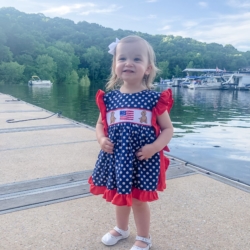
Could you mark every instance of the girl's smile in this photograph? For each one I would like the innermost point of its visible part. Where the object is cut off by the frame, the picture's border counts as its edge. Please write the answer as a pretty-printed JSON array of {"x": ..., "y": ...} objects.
[
  {"x": 131, "y": 62},
  {"x": 128, "y": 71}
]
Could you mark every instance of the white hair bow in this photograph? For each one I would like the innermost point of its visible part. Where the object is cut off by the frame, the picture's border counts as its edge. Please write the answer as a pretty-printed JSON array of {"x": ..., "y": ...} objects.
[{"x": 112, "y": 46}]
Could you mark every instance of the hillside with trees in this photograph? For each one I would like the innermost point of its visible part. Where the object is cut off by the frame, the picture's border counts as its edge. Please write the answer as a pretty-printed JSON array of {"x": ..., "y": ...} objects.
[{"x": 62, "y": 51}]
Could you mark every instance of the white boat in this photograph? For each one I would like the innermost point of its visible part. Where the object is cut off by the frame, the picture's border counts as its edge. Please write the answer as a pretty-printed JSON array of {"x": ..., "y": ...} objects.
[
  {"x": 213, "y": 82},
  {"x": 35, "y": 80},
  {"x": 163, "y": 82},
  {"x": 185, "y": 83},
  {"x": 212, "y": 79}
]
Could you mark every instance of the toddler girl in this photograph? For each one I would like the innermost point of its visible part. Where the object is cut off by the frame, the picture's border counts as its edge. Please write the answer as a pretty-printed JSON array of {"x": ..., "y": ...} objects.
[{"x": 133, "y": 128}]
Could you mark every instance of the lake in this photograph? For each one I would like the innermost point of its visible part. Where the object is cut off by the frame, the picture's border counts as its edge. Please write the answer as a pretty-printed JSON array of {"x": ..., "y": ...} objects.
[{"x": 211, "y": 127}]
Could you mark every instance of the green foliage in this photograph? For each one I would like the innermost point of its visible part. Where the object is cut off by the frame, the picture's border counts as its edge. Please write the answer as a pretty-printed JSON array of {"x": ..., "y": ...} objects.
[
  {"x": 64, "y": 65},
  {"x": 3, "y": 37},
  {"x": 164, "y": 70},
  {"x": 190, "y": 65},
  {"x": 93, "y": 59},
  {"x": 46, "y": 67},
  {"x": 30, "y": 66},
  {"x": 62, "y": 51},
  {"x": 85, "y": 81},
  {"x": 5, "y": 54},
  {"x": 11, "y": 72},
  {"x": 178, "y": 71},
  {"x": 82, "y": 72},
  {"x": 72, "y": 78}
]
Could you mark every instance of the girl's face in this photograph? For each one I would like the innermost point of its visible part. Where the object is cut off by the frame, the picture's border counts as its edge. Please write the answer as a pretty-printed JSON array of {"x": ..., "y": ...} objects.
[{"x": 131, "y": 62}]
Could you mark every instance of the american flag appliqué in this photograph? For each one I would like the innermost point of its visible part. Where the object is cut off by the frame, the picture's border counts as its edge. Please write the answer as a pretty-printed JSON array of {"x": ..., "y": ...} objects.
[{"x": 126, "y": 115}]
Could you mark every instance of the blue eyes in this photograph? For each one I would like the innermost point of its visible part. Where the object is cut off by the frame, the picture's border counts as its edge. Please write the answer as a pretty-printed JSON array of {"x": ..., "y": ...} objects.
[{"x": 135, "y": 59}]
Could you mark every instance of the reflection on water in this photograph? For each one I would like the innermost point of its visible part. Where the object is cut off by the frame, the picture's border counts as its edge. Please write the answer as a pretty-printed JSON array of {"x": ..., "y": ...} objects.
[
  {"x": 205, "y": 108},
  {"x": 211, "y": 126},
  {"x": 75, "y": 101},
  {"x": 40, "y": 92},
  {"x": 212, "y": 130}
]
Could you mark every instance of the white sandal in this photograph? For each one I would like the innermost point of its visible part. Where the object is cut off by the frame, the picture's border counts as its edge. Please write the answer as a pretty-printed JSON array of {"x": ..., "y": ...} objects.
[
  {"x": 110, "y": 240},
  {"x": 145, "y": 240}
]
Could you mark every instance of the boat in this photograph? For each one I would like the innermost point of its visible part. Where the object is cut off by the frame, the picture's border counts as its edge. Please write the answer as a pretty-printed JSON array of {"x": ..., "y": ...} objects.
[
  {"x": 211, "y": 79},
  {"x": 185, "y": 83},
  {"x": 35, "y": 80},
  {"x": 176, "y": 81},
  {"x": 163, "y": 82},
  {"x": 213, "y": 82},
  {"x": 209, "y": 82}
]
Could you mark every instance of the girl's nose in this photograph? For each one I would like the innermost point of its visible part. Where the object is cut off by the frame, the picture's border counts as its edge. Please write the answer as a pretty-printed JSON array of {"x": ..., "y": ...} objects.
[{"x": 129, "y": 62}]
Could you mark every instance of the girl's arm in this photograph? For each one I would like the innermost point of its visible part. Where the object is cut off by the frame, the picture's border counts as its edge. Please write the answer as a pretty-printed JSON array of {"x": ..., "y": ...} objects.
[
  {"x": 162, "y": 140},
  {"x": 105, "y": 143},
  {"x": 167, "y": 131}
]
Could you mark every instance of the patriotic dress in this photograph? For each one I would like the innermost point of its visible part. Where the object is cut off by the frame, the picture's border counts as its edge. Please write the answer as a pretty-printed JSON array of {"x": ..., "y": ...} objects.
[{"x": 130, "y": 122}]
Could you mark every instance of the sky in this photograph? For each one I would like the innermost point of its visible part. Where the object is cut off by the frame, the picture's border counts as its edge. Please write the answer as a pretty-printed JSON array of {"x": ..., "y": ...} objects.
[{"x": 210, "y": 21}]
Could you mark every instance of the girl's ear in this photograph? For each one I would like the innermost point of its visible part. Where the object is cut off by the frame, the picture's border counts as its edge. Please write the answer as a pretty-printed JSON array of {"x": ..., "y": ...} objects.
[{"x": 148, "y": 70}]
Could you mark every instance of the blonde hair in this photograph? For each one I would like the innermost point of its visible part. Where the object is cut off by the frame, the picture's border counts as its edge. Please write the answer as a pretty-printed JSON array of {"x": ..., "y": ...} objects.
[{"x": 115, "y": 82}]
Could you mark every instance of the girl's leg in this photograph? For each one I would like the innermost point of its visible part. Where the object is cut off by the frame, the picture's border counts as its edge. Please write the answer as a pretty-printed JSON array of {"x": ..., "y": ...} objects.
[
  {"x": 122, "y": 218},
  {"x": 142, "y": 220}
]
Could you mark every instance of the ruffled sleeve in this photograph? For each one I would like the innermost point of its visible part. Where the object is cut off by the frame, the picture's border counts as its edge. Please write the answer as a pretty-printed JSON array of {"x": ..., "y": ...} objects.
[
  {"x": 165, "y": 102},
  {"x": 102, "y": 107}
]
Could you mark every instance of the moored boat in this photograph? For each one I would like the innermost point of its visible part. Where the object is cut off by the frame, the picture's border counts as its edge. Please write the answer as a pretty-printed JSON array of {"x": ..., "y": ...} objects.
[
  {"x": 35, "y": 80},
  {"x": 213, "y": 82},
  {"x": 164, "y": 82},
  {"x": 214, "y": 79}
]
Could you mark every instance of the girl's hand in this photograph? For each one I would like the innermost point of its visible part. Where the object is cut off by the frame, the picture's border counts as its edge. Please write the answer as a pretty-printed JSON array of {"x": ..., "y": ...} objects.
[
  {"x": 146, "y": 152},
  {"x": 106, "y": 145}
]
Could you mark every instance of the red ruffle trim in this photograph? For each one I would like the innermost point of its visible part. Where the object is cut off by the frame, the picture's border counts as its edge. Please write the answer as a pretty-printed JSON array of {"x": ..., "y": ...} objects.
[
  {"x": 163, "y": 168},
  {"x": 165, "y": 103},
  {"x": 122, "y": 199},
  {"x": 101, "y": 105}
]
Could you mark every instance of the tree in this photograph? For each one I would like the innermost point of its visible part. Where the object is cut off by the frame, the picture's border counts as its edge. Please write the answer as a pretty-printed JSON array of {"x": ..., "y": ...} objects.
[
  {"x": 46, "y": 67},
  {"x": 247, "y": 56},
  {"x": 85, "y": 81},
  {"x": 64, "y": 65},
  {"x": 82, "y": 72},
  {"x": 72, "y": 78},
  {"x": 190, "y": 65},
  {"x": 177, "y": 71},
  {"x": 163, "y": 66},
  {"x": 3, "y": 37},
  {"x": 21, "y": 43},
  {"x": 69, "y": 49},
  {"x": 5, "y": 54},
  {"x": 30, "y": 66},
  {"x": 11, "y": 72},
  {"x": 93, "y": 58},
  {"x": 25, "y": 37}
]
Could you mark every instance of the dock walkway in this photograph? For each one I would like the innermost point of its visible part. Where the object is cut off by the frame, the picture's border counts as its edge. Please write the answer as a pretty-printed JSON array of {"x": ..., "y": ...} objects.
[{"x": 45, "y": 201}]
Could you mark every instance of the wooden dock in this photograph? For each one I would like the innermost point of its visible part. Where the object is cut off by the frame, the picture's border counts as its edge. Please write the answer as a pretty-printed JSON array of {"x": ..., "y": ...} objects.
[{"x": 46, "y": 160}]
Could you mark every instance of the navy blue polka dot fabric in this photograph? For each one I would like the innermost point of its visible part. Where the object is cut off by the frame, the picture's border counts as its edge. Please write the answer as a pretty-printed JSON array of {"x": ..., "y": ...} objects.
[{"x": 122, "y": 170}]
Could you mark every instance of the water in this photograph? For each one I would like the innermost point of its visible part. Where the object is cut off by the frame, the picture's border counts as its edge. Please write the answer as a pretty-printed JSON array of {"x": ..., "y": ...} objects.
[{"x": 212, "y": 127}]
